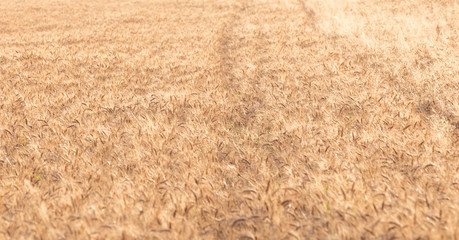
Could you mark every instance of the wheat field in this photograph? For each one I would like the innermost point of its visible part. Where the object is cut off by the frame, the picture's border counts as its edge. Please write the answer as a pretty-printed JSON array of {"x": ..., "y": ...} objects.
[{"x": 219, "y": 119}]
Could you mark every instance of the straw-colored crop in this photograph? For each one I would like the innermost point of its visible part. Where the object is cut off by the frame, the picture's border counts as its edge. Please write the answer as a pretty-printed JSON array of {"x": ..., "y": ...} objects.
[{"x": 221, "y": 119}]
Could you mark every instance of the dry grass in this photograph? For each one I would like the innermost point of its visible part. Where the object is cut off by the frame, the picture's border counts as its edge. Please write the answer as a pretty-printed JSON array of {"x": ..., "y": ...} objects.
[{"x": 326, "y": 119}]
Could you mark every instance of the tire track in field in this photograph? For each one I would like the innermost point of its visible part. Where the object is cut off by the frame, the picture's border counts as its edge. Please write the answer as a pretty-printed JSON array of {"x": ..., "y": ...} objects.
[
  {"x": 228, "y": 45},
  {"x": 310, "y": 13},
  {"x": 232, "y": 74},
  {"x": 250, "y": 69}
]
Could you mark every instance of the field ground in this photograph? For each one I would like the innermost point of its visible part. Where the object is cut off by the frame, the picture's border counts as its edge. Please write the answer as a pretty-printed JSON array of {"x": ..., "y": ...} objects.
[{"x": 287, "y": 119}]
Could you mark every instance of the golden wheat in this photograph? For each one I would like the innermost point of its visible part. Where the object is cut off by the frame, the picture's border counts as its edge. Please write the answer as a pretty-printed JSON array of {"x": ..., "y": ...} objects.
[{"x": 191, "y": 119}]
